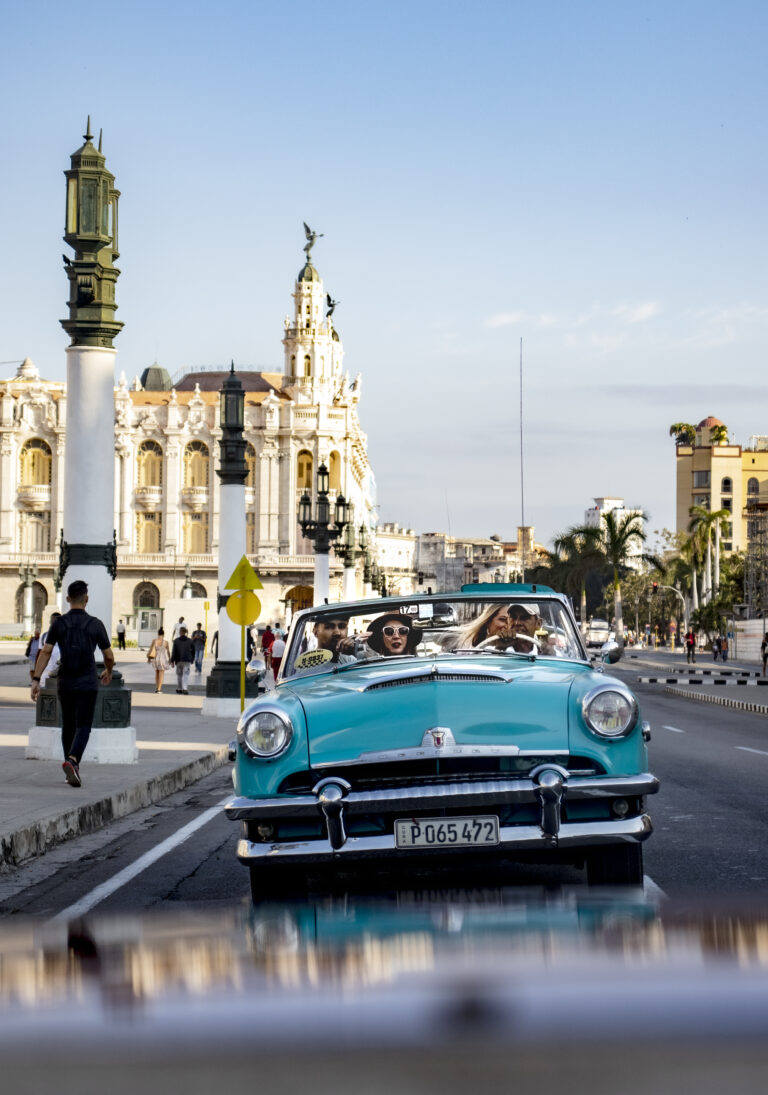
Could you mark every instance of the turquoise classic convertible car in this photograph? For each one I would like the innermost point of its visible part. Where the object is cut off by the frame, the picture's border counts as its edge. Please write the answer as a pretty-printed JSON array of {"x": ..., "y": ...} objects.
[{"x": 435, "y": 726}]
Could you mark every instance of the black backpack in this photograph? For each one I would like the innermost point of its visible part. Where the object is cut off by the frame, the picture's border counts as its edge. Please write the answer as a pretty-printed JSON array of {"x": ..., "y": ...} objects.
[{"x": 77, "y": 658}]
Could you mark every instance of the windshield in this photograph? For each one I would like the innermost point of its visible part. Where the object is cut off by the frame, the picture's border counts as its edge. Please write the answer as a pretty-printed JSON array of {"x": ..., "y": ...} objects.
[{"x": 421, "y": 628}]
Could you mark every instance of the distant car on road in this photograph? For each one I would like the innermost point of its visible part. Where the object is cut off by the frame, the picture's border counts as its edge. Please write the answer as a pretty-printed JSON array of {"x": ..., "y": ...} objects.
[{"x": 598, "y": 632}]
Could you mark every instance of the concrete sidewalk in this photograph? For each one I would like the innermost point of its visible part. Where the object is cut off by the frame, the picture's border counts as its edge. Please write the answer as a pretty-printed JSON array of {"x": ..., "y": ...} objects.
[
  {"x": 38, "y": 809},
  {"x": 706, "y": 681}
]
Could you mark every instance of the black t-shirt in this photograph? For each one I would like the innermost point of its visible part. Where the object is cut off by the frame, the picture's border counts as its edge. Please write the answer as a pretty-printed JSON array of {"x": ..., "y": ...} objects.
[{"x": 78, "y": 634}]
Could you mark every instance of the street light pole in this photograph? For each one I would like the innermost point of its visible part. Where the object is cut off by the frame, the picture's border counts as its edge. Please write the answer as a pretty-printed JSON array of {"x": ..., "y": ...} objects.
[
  {"x": 28, "y": 575},
  {"x": 318, "y": 529}
]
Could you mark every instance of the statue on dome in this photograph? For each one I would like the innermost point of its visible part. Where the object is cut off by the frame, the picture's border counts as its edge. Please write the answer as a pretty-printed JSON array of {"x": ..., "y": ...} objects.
[
  {"x": 311, "y": 237},
  {"x": 331, "y": 305}
]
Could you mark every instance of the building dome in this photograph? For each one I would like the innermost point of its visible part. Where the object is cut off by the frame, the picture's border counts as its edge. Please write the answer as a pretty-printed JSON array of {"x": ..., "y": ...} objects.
[
  {"x": 308, "y": 273},
  {"x": 709, "y": 423}
]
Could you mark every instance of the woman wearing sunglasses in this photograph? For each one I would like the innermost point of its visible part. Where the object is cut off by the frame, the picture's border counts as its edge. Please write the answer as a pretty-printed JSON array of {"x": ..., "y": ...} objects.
[{"x": 392, "y": 635}]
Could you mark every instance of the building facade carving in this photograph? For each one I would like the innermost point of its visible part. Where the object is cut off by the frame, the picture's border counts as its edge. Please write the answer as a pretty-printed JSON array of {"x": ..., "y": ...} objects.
[{"x": 166, "y": 490}]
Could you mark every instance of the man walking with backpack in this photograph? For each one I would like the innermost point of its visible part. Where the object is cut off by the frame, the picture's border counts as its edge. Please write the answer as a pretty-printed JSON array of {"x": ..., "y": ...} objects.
[{"x": 77, "y": 635}]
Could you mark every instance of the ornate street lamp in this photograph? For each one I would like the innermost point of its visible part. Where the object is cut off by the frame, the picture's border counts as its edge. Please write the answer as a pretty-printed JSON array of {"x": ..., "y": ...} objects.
[
  {"x": 320, "y": 531},
  {"x": 28, "y": 574},
  {"x": 350, "y": 547},
  {"x": 186, "y": 590}
]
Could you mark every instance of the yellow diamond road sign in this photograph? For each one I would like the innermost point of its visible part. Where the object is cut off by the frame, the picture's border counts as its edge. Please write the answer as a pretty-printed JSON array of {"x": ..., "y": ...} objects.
[{"x": 244, "y": 577}]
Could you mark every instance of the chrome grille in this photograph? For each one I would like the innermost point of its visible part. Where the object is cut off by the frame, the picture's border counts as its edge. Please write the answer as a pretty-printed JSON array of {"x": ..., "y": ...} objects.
[{"x": 476, "y": 678}]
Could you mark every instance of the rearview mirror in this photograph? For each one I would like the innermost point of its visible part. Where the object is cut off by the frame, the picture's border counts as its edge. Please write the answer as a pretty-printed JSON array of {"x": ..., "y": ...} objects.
[
  {"x": 256, "y": 669},
  {"x": 611, "y": 652}
]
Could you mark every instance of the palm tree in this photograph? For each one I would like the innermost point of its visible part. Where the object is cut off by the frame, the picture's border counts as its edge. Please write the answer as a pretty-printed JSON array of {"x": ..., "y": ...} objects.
[
  {"x": 703, "y": 523},
  {"x": 621, "y": 536},
  {"x": 718, "y": 435},
  {"x": 580, "y": 551},
  {"x": 683, "y": 432}
]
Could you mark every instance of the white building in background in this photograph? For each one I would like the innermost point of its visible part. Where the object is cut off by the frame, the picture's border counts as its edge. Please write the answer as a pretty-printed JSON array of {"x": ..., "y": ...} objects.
[
  {"x": 594, "y": 517},
  {"x": 166, "y": 490}
]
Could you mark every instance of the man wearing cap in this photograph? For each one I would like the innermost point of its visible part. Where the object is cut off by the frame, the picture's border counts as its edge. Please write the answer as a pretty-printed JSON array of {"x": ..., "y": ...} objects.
[{"x": 182, "y": 657}]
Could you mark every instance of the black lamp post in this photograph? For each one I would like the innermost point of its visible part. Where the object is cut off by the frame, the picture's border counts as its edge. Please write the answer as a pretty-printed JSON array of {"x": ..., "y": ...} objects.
[{"x": 319, "y": 530}]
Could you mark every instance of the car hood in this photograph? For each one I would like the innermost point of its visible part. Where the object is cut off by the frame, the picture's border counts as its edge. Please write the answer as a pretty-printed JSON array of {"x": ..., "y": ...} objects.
[{"x": 390, "y": 705}]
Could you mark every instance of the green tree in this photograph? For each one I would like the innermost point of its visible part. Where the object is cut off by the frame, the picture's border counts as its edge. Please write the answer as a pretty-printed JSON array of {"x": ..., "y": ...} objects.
[
  {"x": 683, "y": 432},
  {"x": 621, "y": 537},
  {"x": 718, "y": 435},
  {"x": 579, "y": 549},
  {"x": 704, "y": 525}
]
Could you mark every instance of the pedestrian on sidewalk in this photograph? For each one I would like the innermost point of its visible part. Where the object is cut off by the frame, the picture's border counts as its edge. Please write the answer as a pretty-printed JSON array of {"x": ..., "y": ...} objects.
[
  {"x": 177, "y": 628},
  {"x": 77, "y": 635},
  {"x": 278, "y": 649},
  {"x": 33, "y": 647},
  {"x": 159, "y": 657},
  {"x": 182, "y": 657},
  {"x": 53, "y": 664},
  {"x": 724, "y": 648},
  {"x": 199, "y": 639},
  {"x": 690, "y": 645},
  {"x": 267, "y": 639},
  {"x": 764, "y": 651},
  {"x": 120, "y": 632},
  {"x": 715, "y": 647}
]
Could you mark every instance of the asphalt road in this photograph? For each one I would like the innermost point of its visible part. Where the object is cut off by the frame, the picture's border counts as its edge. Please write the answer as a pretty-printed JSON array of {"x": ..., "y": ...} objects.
[{"x": 710, "y": 835}]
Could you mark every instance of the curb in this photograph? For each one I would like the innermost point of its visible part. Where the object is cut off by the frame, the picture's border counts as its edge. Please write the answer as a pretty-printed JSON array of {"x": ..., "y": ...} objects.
[
  {"x": 723, "y": 701},
  {"x": 36, "y": 839}
]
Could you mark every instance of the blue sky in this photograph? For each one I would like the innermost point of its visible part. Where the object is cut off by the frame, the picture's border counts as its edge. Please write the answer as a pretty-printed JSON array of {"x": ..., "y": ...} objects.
[{"x": 589, "y": 177}]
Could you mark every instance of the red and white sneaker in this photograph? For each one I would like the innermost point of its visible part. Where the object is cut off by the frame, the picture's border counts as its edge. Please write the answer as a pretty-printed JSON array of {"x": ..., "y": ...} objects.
[{"x": 72, "y": 773}]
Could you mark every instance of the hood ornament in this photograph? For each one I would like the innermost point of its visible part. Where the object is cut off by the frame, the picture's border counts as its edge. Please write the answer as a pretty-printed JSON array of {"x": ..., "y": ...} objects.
[{"x": 438, "y": 737}]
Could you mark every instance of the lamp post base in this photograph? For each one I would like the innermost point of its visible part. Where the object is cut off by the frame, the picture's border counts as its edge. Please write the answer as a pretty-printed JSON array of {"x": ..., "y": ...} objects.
[{"x": 222, "y": 691}]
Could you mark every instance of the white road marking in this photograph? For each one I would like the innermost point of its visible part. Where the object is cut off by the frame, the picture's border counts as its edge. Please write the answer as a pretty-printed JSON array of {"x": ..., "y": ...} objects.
[
  {"x": 106, "y": 889},
  {"x": 746, "y": 749},
  {"x": 674, "y": 729}
]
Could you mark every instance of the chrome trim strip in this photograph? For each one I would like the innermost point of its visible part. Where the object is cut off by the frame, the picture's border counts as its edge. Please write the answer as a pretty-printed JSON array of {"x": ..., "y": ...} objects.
[
  {"x": 516, "y": 837},
  {"x": 425, "y": 752},
  {"x": 500, "y": 792}
]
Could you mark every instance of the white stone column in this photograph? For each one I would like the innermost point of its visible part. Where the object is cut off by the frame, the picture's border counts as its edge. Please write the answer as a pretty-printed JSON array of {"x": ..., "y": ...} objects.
[
  {"x": 322, "y": 591},
  {"x": 89, "y": 483},
  {"x": 349, "y": 588},
  {"x": 231, "y": 551}
]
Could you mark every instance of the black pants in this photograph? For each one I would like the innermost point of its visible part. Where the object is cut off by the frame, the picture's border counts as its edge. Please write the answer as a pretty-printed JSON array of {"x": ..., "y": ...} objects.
[
  {"x": 121, "y": 641},
  {"x": 76, "y": 720}
]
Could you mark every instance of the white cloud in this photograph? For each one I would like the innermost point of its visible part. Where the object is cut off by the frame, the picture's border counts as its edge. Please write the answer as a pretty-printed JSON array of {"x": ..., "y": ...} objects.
[{"x": 567, "y": 321}]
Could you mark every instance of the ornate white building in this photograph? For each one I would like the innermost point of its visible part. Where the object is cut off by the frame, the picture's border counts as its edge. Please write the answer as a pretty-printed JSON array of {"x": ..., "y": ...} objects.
[{"x": 166, "y": 489}]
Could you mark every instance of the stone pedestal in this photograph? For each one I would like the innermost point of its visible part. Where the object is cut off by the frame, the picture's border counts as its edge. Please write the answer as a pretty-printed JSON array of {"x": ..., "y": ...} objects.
[
  {"x": 112, "y": 740},
  {"x": 222, "y": 691}
]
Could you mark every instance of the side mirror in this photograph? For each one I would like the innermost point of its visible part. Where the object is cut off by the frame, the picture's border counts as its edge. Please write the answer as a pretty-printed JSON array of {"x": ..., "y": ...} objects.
[
  {"x": 256, "y": 669},
  {"x": 611, "y": 652}
]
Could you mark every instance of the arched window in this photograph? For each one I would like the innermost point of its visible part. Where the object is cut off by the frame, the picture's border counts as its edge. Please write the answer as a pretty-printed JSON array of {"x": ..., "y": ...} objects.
[
  {"x": 293, "y": 364},
  {"x": 199, "y": 590},
  {"x": 334, "y": 471},
  {"x": 753, "y": 487},
  {"x": 149, "y": 464},
  {"x": 307, "y": 365},
  {"x": 35, "y": 460},
  {"x": 146, "y": 595},
  {"x": 250, "y": 463},
  {"x": 304, "y": 470},
  {"x": 726, "y": 487},
  {"x": 299, "y": 597},
  {"x": 196, "y": 462},
  {"x": 39, "y": 601}
]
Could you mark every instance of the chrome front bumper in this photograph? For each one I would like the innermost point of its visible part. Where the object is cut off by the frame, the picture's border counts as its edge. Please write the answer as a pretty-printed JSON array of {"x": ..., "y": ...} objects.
[{"x": 547, "y": 786}]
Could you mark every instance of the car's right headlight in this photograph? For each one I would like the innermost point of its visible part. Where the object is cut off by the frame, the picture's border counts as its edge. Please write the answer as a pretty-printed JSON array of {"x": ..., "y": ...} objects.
[
  {"x": 610, "y": 712},
  {"x": 266, "y": 732}
]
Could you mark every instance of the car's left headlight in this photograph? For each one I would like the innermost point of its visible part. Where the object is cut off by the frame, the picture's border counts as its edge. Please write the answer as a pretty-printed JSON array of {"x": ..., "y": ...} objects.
[
  {"x": 266, "y": 732},
  {"x": 610, "y": 712}
]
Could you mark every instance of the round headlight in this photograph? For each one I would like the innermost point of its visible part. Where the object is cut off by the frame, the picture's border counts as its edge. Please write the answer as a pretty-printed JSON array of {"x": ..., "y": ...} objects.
[
  {"x": 610, "y": 713},
  {"x": 266, "y": 733}
]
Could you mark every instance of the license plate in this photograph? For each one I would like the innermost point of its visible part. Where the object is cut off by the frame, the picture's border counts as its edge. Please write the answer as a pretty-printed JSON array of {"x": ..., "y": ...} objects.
[{"x": 447, "y": 832}]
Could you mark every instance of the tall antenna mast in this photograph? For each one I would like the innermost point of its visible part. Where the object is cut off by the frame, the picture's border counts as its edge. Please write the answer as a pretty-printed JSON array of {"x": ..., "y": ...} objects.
[{"x": 522, "y": 478}]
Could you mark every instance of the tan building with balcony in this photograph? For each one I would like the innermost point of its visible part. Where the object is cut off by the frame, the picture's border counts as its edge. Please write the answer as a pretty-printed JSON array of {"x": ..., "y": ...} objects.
[
  {"x": 166, "y": 487},
  {"x": 722, "y": 476}
]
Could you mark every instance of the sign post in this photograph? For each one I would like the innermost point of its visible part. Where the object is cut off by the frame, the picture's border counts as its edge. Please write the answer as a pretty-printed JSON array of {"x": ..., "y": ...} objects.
[{"x": 243, "y": 608}]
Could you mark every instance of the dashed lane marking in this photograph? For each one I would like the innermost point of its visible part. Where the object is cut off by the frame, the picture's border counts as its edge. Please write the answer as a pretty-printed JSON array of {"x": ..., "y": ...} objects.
[
  {"x": 746, "y": 749},
  {"x": 674, "y": 729}
]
